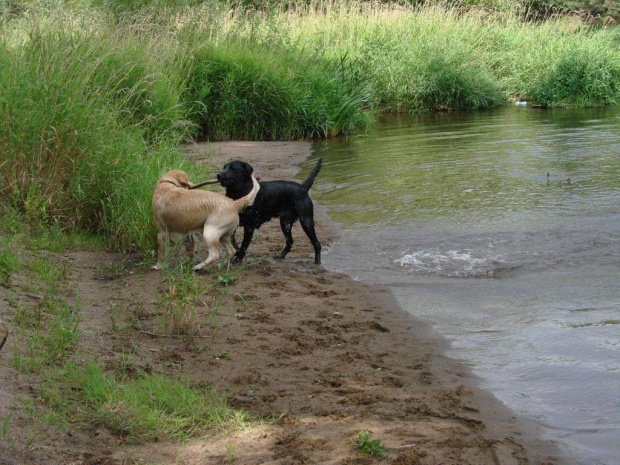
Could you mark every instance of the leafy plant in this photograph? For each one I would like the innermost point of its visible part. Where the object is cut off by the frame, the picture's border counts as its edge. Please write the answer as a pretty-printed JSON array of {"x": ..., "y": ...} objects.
[
  {"x": 225, "y": 279},
  {"x": 366, "y": 445}
]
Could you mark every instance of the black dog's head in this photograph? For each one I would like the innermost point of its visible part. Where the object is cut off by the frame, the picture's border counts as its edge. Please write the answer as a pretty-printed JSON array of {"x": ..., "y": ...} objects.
[{"x": 235, "y": 172}]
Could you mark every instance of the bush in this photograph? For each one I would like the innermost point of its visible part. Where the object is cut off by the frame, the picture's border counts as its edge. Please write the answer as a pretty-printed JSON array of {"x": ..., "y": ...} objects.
[
  {"x": 241, "y": 93},
  {"x": 89, "y": 124},
  {"x": 580, "y": 78}
]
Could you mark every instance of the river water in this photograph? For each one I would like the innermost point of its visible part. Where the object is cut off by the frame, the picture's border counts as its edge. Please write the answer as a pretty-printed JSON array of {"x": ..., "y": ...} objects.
[{"x": 502, "y": 229}]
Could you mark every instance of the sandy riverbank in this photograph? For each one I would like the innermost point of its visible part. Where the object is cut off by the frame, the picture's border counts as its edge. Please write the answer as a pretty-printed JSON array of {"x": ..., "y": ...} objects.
[
  {"x": 340, "y": 356},
  {"x": 323, "y": 354}
]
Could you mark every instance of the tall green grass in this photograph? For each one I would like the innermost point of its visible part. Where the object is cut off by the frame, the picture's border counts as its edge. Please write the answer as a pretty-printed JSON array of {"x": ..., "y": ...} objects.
[
  {"x": 89, "y": 122},
  {"x": 436, "y": 57},
  {"x": 245, "y": 93},
  {"x": 94, "y": 101}
]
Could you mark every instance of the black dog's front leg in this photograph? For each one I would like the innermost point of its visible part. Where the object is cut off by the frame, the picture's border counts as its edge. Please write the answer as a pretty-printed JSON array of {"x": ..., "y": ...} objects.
[{"x": 247, "y": 238}]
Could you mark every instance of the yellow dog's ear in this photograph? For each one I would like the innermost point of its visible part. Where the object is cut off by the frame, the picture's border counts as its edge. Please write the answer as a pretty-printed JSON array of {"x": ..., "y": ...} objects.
[
  {"x": 183, "y": 180},
  {"x": 178, "y": 178}
]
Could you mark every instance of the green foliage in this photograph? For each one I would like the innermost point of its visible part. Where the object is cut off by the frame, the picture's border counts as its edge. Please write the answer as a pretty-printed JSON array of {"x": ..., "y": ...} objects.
[
  {"x": 180, "y": 290},
  {"x": 240, "y": 92},
  {"x": 90, "y": 122},
  {"x": 366, "y": 445},
  {"x": 579, "y": 77},
  {"x": 95, "y": 101},
  {"x": 145, "y": 408},
  {"x": 420, "y": 75}
]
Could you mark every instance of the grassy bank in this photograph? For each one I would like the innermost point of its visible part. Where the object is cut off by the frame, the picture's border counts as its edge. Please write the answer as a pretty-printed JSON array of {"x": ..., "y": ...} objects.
[
  {"x": 76, "y": 385},
  {"x": 96, "y": 98}
]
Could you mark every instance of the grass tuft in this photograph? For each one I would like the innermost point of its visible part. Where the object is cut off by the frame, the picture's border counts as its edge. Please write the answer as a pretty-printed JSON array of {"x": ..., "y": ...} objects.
[
  {"x": 366, "y": 445},
  {"x": 145, "y": 408}
]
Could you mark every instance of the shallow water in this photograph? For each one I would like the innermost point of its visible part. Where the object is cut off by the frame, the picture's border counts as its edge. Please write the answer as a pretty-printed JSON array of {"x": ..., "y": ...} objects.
[{"x": 502, "y": 229}]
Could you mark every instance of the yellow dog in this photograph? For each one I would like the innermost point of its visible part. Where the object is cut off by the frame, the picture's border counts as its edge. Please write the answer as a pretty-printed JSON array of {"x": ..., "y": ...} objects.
[{"x": 179, "y": 211}]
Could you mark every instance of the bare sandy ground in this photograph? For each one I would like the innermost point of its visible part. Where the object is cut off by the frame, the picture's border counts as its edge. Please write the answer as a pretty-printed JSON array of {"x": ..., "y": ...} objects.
[{"x": 320, "y": 355}]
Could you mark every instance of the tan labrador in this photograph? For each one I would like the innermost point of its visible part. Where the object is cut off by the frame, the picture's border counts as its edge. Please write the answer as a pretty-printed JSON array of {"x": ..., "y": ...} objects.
[{"x": 179, "y": 211}]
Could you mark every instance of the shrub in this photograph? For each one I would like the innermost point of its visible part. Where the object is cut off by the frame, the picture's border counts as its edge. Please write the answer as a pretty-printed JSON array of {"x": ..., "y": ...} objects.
[
  {"x": 242, "y": 93},
  {"x": 579, "y": 78},
  {"x": 89, "y": 122}
]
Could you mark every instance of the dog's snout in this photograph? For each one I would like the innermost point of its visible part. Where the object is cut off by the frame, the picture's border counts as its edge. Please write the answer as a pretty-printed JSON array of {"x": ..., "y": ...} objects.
[{"x": 223, "y": 178}]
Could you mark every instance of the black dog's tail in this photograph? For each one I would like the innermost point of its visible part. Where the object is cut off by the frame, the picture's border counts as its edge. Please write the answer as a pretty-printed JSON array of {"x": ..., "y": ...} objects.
[{"x": 307, "y": 184}]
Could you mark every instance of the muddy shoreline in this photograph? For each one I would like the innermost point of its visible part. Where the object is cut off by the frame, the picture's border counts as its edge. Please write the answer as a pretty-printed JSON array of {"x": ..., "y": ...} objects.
[
  {"x": 512, "y": 439},
  {"x": 315, "y": 354}
]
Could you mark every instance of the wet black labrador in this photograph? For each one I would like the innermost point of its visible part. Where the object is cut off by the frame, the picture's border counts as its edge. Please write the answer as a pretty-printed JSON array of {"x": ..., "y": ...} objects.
[{"x": 286, "y": 200}]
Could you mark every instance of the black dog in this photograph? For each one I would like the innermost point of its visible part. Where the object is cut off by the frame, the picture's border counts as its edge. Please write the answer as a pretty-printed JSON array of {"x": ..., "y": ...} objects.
[{"x": 286, "y": 200}]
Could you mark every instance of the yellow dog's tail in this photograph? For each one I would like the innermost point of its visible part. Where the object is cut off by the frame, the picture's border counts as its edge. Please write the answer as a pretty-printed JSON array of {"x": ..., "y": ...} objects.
[{"x": 248, "y": 200}]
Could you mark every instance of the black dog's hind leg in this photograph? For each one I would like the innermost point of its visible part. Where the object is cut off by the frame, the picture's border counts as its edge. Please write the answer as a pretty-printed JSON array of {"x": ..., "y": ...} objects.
[
  {"x": 306, "y": 219},
  {"x": 286, "y": 223},
  {"x": 233, "y": 240}
]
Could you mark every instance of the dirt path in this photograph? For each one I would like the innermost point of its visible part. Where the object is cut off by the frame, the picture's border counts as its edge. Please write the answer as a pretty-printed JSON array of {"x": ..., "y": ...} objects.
[{"x": 324, "y": 355}]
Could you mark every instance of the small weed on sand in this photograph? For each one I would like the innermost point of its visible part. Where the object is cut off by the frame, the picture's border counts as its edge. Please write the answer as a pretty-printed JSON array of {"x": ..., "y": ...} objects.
[
  {"x": 366, "y": 445},
  {"x": 180, "y": 290},
  {"x": 182, "y": 294}
]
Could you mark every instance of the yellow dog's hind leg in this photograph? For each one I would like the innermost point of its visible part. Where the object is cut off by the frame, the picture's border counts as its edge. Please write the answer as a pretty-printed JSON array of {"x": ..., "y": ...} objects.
[{"x": 212, "y": 236}]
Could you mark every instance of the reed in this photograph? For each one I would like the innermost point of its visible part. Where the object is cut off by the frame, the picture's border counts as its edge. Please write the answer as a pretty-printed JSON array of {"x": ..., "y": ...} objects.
[
  {"x": 90, "y": 118},
  {"x": 240, "y": 92},
  {"x": 95, "y": 101},
  {"x": 435, "y": 57}
]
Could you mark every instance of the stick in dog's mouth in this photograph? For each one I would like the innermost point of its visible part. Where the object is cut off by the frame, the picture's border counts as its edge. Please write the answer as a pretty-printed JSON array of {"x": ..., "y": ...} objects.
[{"x": 204, "y": 183}]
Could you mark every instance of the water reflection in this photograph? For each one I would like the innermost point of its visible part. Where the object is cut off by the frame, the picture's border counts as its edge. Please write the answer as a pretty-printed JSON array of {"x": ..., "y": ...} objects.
[{"x": 474, "y": 167}]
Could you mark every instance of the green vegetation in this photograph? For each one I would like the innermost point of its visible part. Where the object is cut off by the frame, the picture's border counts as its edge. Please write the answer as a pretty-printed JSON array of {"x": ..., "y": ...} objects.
[
  {"x": 182, "y": 290},
  {"x": 45, "y": 345},
  {"x": 246, "y": 92},
  {"x": 44, "y": 327},
  {"x": 97, "y": 97},
  {"x": 366, "y": 445},
  {"x": 146, "y": 407}
]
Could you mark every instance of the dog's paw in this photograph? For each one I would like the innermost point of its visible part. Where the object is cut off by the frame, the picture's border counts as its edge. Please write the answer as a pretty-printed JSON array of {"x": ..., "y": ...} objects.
[{"x": 200, "y": 266}]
